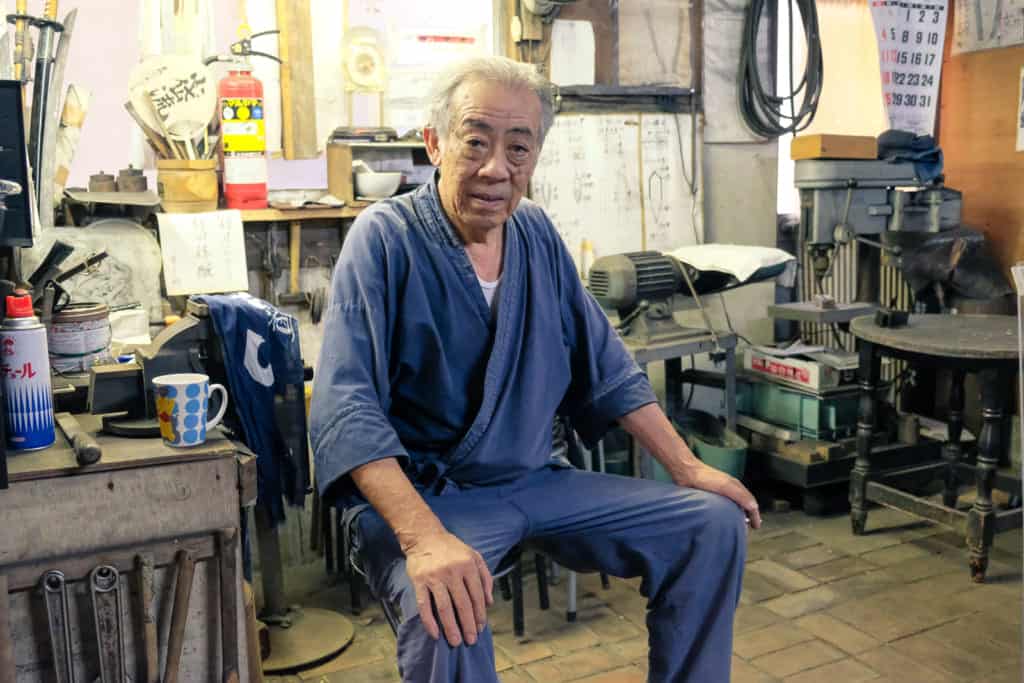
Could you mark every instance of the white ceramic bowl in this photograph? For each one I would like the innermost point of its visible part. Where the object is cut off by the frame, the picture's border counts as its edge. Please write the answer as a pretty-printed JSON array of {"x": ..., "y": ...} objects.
[{"x": 377, "y": 185}]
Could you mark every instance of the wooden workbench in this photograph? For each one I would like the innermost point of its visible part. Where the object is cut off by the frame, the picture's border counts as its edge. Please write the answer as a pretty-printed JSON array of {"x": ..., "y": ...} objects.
[
  {"x": 141, "y": 498},
  {"x": 305, "y": 214}
]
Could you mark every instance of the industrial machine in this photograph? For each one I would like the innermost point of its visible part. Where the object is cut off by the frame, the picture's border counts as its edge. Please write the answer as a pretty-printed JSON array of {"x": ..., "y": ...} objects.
[
  {"x": 640, "y": 287},
  {"x": 802, "y": 425},
  {"x": 883, "y": 205}
]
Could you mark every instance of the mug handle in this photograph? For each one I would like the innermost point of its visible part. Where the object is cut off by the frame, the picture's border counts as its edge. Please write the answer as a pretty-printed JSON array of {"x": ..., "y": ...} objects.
[{"x": 223, "y": 405}]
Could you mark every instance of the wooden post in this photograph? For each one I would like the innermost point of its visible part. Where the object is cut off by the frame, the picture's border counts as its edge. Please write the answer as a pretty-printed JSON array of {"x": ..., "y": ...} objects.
[
  {"x": 298, "y": 103},
  {"x": 294, "y": 254}
]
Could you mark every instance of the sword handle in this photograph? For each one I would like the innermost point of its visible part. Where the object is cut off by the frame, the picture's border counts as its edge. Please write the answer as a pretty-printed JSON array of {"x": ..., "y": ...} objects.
[
  {"x": 20, "y": 26},
  {"x": 50, "y": 10}
]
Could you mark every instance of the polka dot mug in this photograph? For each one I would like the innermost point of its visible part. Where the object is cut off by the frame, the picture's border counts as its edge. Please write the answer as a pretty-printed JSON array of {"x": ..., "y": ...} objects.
[{"x": 181, "y": 406}]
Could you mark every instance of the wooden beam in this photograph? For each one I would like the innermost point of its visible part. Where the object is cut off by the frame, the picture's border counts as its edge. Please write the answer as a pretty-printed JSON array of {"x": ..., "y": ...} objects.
[{"x": 298, "y": 98}]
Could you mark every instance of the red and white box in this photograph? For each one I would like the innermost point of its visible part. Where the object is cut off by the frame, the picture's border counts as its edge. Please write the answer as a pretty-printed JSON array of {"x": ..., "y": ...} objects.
[{"x": 808, "y": 374}]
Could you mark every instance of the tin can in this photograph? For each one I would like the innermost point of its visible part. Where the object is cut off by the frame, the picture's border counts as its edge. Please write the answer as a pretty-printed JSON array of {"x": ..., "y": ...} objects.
[
  {"x": 78, "y": 336},
  {"x": 25, "y": 366}
]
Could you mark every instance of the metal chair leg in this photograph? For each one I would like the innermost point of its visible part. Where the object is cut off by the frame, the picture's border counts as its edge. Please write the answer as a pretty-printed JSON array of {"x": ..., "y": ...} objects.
[
  {"x": 327, "y": 539},
  {"x": 355, "y": 592},
  {"x": 518, "y": 618},
  {"x": 506, "y": 588},
  {"x": 570, "y": 613},
  {"x": 541, "y": 564}
]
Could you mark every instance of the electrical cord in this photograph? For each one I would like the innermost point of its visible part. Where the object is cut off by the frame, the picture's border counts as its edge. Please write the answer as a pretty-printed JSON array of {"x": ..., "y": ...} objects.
[{"x": 764, "y": 112}]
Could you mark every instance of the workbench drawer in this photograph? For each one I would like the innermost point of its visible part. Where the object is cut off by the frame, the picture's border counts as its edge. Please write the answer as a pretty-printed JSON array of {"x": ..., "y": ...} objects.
[
  {"x": 92, "y": 518},
  {"x": 200, "y": 661}
]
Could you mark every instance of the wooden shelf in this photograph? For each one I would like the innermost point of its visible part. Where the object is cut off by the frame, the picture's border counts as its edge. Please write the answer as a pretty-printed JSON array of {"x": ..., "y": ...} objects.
[
  {"x": 380, "y": 145},
  {"x": 286, "y": 215},
  {"x": 633, "y": 98}
]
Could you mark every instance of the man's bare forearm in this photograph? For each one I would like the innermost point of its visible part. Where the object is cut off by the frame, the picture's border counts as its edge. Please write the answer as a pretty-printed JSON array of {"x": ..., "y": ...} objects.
[
  {"x": 445, "y": 573},
  {"x": 393, "y": 496},
  {"x": 649, "y": 425}
]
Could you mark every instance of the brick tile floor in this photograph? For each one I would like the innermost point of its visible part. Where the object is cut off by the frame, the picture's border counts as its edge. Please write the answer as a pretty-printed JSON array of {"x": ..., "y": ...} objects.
[{"x": 819, "y": 605}]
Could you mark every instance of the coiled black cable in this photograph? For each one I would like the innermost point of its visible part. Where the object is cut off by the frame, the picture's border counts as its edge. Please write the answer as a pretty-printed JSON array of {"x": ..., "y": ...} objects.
[{"x": 765, "y": 112}]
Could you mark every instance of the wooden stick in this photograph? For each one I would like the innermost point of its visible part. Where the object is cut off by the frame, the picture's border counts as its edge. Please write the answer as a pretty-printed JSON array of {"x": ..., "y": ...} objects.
[
  {"x": 179, "y": 614},
  {"x": 176, "y": 147},
  {"x": 145, "y": 570},
  {"x": 155, "y": 139},
  {"x": 228, "y": 542},
  {"x": 252, "y": 637},
  {"x": 294, "y": 254}
]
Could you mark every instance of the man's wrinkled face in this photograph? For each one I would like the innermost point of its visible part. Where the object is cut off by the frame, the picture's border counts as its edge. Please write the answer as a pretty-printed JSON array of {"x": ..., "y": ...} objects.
[{"x": 489, "y": 155}]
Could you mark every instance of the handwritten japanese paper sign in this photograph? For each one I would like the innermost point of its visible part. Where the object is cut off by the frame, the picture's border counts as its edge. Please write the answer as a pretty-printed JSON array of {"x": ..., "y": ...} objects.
[
  {"x": 987, "y": 24},
  {"x": 203, "y": 253},
  {"x": 1020, "y": 113},
  {"x": 910, "y": 35}
]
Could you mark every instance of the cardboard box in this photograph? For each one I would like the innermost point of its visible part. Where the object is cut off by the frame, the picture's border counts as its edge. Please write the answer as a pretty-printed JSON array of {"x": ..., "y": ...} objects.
[
  {"x": 814, "y": 375},
  {"x": 833, "y": 147}
]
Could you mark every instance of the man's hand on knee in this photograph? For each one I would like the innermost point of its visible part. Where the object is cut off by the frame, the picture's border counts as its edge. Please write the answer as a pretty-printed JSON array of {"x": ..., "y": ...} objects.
[
  {"x": 454, "y": 577},
  {"x": 709, "y": 479}
]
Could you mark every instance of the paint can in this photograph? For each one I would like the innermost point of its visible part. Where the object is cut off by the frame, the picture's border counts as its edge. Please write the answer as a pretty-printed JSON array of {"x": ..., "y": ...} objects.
[
  {"x": 28, "y": 394},
  {"x": 79, "y": 336}
]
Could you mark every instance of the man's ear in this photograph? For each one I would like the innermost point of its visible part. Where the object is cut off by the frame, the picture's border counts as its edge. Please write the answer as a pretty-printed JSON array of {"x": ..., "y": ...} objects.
[{"x": 433, "y": 143}]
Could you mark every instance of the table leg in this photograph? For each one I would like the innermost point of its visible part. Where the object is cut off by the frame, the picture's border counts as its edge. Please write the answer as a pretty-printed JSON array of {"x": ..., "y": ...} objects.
[
  {"x": 951, "y": 451},
  {"x": 673, "y": 387},
  {"x": 982, "y": 517},
  {"x": 870, "y": 368},
  {"x": 730, "y": 388}
]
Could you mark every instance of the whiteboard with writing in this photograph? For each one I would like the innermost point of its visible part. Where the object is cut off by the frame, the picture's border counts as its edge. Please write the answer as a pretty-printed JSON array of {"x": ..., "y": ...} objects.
[
  {"x": 588, "y": 180},
  {"x": 617, "y": 181},
  {"x": 672, "y": 210}
]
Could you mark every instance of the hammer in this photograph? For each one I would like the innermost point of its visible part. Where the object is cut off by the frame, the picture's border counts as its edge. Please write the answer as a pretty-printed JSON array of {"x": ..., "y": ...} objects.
[{"x": 179, "y": 614}]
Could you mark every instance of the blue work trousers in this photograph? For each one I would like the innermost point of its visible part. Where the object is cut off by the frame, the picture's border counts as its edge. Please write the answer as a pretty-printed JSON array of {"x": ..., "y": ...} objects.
[{"x": 687, "y": 545}]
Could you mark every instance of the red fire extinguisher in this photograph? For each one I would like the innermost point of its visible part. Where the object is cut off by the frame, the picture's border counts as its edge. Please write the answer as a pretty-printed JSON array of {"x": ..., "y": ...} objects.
[{"x": 243, "y": 138}]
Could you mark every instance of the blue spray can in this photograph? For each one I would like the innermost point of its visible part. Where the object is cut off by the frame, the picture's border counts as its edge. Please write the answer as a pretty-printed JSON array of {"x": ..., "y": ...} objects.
[{"x": 25, "y": 369}]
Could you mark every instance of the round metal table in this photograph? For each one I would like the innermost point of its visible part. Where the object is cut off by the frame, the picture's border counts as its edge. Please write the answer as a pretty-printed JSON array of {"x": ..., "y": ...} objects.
[{"x": 982, "y": 344}]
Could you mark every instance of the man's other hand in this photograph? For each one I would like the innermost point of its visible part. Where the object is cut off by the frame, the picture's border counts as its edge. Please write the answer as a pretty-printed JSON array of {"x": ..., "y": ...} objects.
[
  {"x": 454, "y": 577},
  {"x": 707, "y": 478}
]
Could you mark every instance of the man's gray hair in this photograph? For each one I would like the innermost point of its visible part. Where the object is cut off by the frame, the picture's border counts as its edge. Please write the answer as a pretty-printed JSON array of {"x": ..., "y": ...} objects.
[{"x": 502, "y": 70}]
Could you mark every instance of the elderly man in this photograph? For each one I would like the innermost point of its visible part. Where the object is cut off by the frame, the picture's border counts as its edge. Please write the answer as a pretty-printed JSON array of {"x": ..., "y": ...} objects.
[{"x": 457, "y": 333}]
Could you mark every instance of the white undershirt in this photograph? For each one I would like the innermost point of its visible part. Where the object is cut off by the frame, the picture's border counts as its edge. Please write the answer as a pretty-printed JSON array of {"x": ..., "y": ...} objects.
[{"x": 488, "y": 288}]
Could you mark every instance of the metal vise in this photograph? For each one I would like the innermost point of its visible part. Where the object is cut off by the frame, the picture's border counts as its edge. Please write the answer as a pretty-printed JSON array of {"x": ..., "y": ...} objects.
[{"x": 189, "y": 345}]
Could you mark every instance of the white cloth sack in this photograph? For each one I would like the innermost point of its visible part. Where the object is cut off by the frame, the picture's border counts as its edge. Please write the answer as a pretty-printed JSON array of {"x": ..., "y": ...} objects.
[{"x": 739, "y": 260}]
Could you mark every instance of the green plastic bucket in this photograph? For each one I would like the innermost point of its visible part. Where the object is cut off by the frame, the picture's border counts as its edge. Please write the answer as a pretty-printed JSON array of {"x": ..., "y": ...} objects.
[{"x": 710, "y": 441}]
